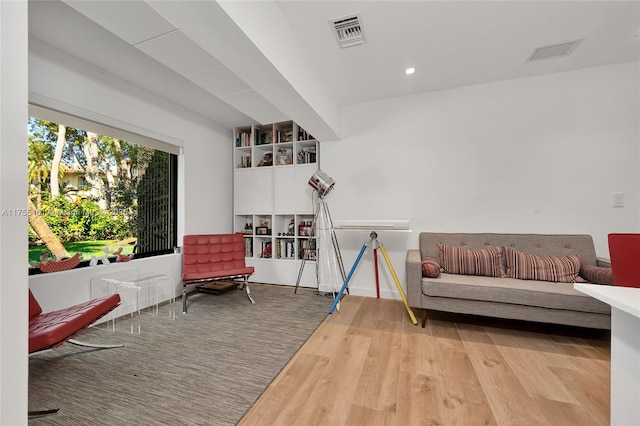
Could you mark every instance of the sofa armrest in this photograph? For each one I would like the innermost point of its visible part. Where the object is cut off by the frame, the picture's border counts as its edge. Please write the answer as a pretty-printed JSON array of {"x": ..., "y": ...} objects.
[
  {"x": 603, "y": 262},
  {"x": 413, "y": 264}
]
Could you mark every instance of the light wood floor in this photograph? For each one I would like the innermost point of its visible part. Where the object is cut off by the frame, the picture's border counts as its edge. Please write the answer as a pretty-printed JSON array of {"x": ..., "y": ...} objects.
[{"x": 369, "y": 365}]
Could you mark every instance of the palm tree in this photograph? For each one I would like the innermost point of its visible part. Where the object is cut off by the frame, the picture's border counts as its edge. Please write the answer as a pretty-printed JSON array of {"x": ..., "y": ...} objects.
[
  {"x": 39, "y": 168},
  {"x": 39, "y": 165}
]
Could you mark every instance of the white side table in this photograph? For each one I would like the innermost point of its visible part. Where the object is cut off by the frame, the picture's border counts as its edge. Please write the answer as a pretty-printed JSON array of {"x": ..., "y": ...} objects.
[
  {"x": 138, "y": 291},
  {"x": 625, "y": 349}
]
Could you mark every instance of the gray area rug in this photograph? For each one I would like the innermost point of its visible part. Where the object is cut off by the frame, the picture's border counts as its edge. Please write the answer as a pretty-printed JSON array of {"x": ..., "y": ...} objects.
[{"x": 205, "y": 368}]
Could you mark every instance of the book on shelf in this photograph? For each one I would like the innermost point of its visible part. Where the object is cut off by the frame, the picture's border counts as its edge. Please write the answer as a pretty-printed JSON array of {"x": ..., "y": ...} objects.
[
  {"x": 243, "y": 139},
  {"x": 307, "y": 249},
  {"x": 248, "y": 247},
  {"x": 283, "y": 135},
  {"x": 307, "y": 155},
  {"x": 285, "y": 248},
  {"x": 245, "y": 161},
  {"x": 303, "y": 135},
  {"x": 266, "y": 249},
  {"x": 263, "y": 137}
]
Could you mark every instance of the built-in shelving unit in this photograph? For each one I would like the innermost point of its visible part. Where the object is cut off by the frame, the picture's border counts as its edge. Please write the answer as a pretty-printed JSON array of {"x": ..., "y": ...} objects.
[{"x": 273, "y": 203}]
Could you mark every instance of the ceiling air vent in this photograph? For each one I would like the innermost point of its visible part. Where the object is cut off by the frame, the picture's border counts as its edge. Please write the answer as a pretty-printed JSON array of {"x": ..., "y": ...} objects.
[
  {"x": 348, "y": 30},
  {"x": 554, "y": 51}
]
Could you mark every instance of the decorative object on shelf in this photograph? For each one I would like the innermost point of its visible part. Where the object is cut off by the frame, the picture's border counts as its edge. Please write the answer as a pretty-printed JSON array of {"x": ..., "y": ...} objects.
[
  {"x": 291, "y": 227},
  {"x": 263, "y": 230},
  {"x": 248, "y": 229},
  {"x": 97, "y": 259},
  {"x": 267, "y": 160},
  {"x": 122, "y": 257},
  {"x": 283, "y": 157},
  {"x": 49, "y": 264},
  {"x": 322, "y": 237}
]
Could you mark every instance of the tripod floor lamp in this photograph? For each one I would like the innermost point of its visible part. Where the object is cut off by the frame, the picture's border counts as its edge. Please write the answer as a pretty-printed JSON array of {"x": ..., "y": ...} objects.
[{"x": 323, "y": 234}]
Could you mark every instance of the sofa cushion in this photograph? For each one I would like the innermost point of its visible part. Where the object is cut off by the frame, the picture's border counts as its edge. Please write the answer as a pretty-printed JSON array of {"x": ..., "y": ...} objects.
[
  {"x": 544, "y": 294},
  {"x": 597, "y": 274},
  {"x": 459, "y": 260},
  {"x": 430, "y": 268},
  {"x": 527, "y": 266}
]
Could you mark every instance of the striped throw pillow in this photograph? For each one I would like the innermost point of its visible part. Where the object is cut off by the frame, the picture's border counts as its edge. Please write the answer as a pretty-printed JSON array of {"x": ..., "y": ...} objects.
[
  {"x": 459, "y": 260},
  {"x": 597, "y": 274},
  {"x": 527, "y": 266}
]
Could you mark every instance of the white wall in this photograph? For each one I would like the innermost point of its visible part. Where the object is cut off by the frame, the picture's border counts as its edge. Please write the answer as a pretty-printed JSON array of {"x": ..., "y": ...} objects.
[
  {"x": 13, "y": 245},
  {"x": 542, "y": 155}
]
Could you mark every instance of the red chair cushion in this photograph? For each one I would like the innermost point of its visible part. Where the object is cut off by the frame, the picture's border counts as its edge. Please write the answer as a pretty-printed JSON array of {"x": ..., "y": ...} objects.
[
  {"x": 34, "y": 307},
  {"x": 51, "y": 329},
  {"x": 624, "y": 250},
  {"x": 222, "y": 273}
]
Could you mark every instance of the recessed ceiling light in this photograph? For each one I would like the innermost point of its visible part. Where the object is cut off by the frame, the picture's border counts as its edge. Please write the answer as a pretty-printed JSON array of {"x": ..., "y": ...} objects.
[{"x": 409, "y": 70}]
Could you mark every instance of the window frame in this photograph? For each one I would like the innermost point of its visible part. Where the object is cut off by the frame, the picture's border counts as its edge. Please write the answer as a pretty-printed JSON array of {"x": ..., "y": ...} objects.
[{"x": 174, "y": 151}]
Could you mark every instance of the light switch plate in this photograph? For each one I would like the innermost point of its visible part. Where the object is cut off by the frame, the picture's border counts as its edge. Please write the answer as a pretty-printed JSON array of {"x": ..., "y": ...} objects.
[{"x": 618, "y": 199}]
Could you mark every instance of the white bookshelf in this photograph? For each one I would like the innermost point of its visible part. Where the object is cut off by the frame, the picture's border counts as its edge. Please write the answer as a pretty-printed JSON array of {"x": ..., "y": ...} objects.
[{"x": 272, "y": 167}]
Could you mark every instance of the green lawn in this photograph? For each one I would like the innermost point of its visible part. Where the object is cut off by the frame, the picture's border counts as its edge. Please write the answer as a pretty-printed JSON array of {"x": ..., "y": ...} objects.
[{"x": 87, "y": 248}]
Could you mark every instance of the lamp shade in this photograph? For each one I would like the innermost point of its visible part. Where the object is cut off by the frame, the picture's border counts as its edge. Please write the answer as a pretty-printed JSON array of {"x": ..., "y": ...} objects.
[{"x": 322, "y": 183}]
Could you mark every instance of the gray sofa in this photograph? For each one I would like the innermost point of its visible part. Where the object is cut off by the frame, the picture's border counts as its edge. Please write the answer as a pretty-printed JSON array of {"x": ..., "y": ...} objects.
[{"x": 539, "y": 301}]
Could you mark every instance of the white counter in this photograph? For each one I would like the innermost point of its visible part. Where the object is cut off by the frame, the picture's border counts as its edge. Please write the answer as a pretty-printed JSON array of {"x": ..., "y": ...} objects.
[{"x": 625, "y": 349}]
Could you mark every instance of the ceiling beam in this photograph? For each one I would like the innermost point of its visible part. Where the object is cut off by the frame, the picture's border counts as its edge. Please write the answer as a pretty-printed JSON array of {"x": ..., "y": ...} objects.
[{"x": 242, "y": 37}]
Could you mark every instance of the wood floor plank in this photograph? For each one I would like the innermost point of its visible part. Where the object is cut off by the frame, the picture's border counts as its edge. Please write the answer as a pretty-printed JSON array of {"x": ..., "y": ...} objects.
[
  {"x": 473, "y": 333},
  {"x": 367, "y": 318},
  {"x": 447, "y": 331},
  {"x": 349, "y": 306},
  {"x": 586, "y": 351},
  {"x": 325, "y": 339},
  {"x": 335, "y": 390},
  {"x": 524, "y": 339},
  {"x": 419, "y": 354},
  {"x": 392, "y": 310},
  {"x": 359, "y": 416},
  {"x": 463, "y": 397},
  {"x": 419, "y": 400},
  {"x": 562, "y": 413},
  {"x": 509, "y": 401},
  {"x": 378, "y": 384},
  {"x": 536, "y": 378},
  {"x": 294, "y": 388},
  {"x": 588, "y": 390}
]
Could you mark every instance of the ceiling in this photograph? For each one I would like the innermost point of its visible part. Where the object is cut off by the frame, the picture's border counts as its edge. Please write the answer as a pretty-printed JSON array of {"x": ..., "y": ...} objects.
[{"x": 241, "y": 62}]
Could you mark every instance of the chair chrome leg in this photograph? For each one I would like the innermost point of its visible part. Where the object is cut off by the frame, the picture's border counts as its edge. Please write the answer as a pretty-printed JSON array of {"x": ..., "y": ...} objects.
[
  {"x": 246, "y": 286},
  {"x": 40, "y": 413},
  {"x": 94, "y": 345},
  {"x": 184, "y": 299}
]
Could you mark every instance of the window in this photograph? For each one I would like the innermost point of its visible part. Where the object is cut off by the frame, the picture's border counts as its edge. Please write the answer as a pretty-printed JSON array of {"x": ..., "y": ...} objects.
[{"x": 96, "y": 190}]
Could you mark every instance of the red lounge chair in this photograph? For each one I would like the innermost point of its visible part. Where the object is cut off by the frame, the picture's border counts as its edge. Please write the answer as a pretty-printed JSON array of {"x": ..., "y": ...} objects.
[
  {"x": 211, "y": 257},
  {"x": 51, "y": 329}
]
